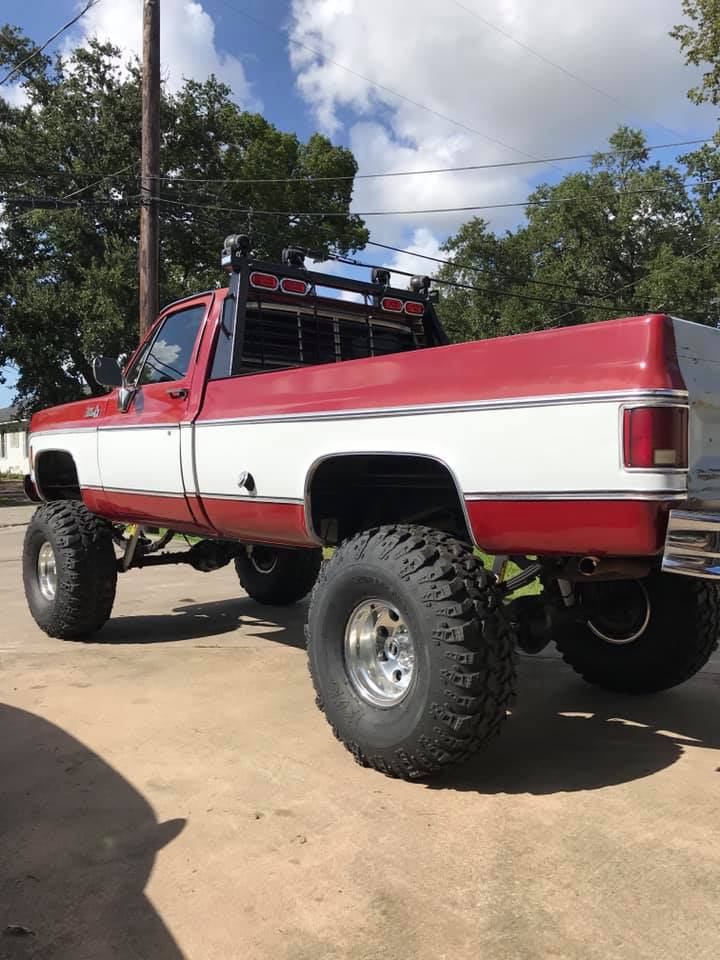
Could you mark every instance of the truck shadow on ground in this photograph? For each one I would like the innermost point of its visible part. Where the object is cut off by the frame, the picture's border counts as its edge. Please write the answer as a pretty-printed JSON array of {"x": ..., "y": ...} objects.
[
  {"x": 217, "y": 618},
  {"x": 78, "y": 844},
  {"x": 564, "y": 735}
]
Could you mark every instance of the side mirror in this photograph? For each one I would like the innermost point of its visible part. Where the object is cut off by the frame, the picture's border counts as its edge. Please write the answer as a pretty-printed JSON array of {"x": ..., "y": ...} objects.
[{"x": 107, "y": 372}]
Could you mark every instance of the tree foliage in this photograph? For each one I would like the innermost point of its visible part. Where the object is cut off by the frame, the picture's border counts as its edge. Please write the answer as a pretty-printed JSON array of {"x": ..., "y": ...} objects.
[
  {"x": 68, "y": 278},
  {"x": 700, "y": 42},
  {"x": 628, "y": 236}
]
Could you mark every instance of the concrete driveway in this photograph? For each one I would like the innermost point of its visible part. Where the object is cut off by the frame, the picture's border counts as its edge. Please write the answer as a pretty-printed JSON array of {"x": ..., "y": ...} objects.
[{"x": 170, "y": 791}]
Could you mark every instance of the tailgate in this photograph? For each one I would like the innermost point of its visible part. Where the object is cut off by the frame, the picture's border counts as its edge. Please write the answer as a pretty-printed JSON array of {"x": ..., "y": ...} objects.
[{"x": 698, "y": 353}]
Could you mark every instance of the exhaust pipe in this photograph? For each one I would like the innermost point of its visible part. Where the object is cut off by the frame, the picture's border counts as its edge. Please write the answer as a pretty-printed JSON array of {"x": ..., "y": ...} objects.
[{"x": 612, "y": 568}]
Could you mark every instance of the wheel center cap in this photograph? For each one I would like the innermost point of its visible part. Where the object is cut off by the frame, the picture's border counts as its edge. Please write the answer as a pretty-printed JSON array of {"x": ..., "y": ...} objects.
[{"x": 379, "y": 653}]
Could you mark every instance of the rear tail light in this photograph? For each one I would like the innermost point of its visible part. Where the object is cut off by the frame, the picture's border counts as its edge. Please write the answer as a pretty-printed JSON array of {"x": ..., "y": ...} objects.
[
  {"x": 391, "y": 304},
  {"x": 414, "y": 309},
  {"x": 265, "y": 281},
  {"x": 655, "y": 437},
  {"x": 298, "y": 287}
]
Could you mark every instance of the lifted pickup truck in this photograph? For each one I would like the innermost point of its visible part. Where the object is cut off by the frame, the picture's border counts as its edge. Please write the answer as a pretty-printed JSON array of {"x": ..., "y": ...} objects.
[{"x": 274, "y": 418}]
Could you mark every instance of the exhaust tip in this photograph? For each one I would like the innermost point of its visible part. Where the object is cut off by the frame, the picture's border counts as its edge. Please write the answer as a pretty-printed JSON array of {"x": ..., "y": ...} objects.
[{"x": 587, "y": 566}]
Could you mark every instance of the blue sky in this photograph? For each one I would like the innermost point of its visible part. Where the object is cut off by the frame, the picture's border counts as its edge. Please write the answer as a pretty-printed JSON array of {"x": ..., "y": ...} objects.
[{"x": 498, "y": 80}]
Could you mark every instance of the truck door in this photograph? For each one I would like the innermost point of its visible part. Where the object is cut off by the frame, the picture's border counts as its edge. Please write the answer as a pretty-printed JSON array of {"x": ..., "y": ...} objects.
[{"x": 139, "y": 450}]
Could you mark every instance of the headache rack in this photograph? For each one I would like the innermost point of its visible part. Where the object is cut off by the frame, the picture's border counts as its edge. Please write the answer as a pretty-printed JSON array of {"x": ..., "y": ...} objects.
[{"x": 282, "y": 315}]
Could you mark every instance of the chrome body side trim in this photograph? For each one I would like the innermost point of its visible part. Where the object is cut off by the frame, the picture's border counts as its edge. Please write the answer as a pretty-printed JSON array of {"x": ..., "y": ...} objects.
[
  {"x": 250, "y": 498},
  {"x": 139, "y": 493},
  {"x": 139, "y": 426},
  {"x": 692, "y": 544},
  {"x": 667, "y": 494},
  {"x": 469, "y": 406},
  {"x": 69, "y": 431},
  {"x": 239, "y": 497}
]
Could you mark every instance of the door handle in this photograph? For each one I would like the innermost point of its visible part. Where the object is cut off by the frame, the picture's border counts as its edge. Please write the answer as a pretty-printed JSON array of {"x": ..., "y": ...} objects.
[{"x": 179, "y": 393}]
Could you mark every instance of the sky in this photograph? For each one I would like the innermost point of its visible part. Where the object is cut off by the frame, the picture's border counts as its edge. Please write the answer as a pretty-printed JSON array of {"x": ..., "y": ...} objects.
[{"x": 421, "y": 84}]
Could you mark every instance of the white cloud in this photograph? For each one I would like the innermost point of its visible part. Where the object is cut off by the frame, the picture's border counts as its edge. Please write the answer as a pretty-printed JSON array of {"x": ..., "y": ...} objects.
[
  {"x": 15, "y": 94},
  {"x": 422, "y": 241},
  {"x": 187, "y": 42},
  {"x": 439, "y": 56}
]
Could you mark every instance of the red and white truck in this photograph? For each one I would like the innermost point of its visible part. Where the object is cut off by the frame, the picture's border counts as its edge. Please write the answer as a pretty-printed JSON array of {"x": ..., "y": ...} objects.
[{"x": 273, "y": 418}]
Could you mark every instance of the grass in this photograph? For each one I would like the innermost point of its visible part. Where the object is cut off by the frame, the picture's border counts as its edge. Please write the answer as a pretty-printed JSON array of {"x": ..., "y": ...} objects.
[{"x": 511, "y": 569}]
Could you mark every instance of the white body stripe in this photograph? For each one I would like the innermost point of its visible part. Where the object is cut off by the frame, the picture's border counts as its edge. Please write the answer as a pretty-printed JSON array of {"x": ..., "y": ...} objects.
[
  {"x": 544, "y": 448},
  {"x": 541, "y": 450}
]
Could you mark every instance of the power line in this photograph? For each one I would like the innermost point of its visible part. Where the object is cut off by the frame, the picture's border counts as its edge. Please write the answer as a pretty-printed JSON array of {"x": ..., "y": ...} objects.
[
  {"x": 96, "y": 183},
  {"x": 39, "y": 50},
  {"x": 58, "y": 202},
  {"x": 351, "y": 261},
  {"x": 326, "y": 214},
  {"x": 374, "y": 83},
  {"x": 310, "y": 179},
  {"x": 471, "y": 268},
  {"x": 548, "y": 61}
]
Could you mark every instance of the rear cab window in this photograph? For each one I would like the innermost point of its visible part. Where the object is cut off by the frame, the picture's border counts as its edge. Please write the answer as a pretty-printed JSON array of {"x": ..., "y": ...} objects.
[{"x": 278, "y": 336}]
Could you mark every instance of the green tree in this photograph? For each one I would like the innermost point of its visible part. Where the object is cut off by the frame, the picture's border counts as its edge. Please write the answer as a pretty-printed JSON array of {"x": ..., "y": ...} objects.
[
  {"x": 68, "y": 278},
  {"x": 700, "y": 42},
  {"x": 627, "y": 236}
]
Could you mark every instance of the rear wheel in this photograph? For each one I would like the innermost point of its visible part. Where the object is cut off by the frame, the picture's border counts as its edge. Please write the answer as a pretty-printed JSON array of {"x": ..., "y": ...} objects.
[
  {"x": 409, "y": 651},
  {"x": 277, "y": 575},
  {"x": 643, "y": 635},
  {"x": 69, "y": 569}
]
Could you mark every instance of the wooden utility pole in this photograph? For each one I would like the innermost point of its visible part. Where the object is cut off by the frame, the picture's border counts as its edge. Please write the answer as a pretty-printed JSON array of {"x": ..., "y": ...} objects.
[{"x": 149, "y": 253}]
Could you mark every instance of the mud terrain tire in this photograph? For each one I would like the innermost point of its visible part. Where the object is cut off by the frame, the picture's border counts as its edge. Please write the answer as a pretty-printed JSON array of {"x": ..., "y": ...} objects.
[
  {"x": 463, "y": 668},
  {"x": 278, "y": 576},
  {"x": 76, "y": 595},
  {"x": 680, "y": 636}
]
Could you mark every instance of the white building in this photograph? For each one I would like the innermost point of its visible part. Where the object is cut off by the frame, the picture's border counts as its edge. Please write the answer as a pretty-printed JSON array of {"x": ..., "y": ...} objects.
[{"x": 13, "y": 442}]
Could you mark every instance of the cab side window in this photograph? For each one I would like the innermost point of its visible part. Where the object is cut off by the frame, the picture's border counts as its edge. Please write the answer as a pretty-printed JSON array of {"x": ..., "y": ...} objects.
[{"x": 169, "y": 356}]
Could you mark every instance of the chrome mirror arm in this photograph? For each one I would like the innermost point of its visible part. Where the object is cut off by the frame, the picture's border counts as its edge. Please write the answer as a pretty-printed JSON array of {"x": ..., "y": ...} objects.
[{"x": 125, "y": 395}]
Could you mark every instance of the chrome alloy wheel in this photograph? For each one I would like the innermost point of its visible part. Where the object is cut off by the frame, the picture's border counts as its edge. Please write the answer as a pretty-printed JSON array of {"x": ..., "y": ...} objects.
[
  {"x": 47, "y": 571},
  {"x": 379, "y": 653}
]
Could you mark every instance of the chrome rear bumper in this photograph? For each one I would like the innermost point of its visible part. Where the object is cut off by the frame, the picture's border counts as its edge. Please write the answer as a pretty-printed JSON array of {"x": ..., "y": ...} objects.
[{"x": 692, "y": 544}]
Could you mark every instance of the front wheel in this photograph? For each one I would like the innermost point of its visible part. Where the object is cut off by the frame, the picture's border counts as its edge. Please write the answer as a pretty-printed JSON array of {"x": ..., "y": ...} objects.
[
  {"x": 643, "y": 636},
  {"x": 409, "y": 650},
  {"x": 277, "y": 575},
  {"x": 69, "y": 569}
]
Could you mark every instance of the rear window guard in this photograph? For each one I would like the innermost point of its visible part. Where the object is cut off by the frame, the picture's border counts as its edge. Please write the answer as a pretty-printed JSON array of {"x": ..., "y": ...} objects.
[{"x": 277, "y": 336}]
